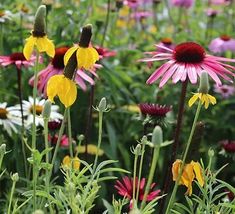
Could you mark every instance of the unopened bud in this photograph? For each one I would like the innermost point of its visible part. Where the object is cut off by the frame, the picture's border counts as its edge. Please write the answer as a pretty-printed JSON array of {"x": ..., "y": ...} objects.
[
  {"x": 211, "y": 153},
  {"x": 157, "y": 138},
  {"x": 85, "y": 36},
  {"x": 39, "y": 29},
  {"x": 46, "y": 110},
  {"x": 3, "y": 149},
  {"x": 137, "y": 150},
  {"x": 204, "y": 83},
  {"x": 81, "y": 137},
  {"x": 15, "y": 177},
  {"x": 102, "y": 105}
]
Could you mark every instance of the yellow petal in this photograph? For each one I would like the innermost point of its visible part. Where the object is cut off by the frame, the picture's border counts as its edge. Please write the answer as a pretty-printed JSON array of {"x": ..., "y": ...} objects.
[
  {"x": 69, "y": 93},
  {"x": 76, "y": 163},
  {"x": 41, "y": 44},
  {"x": 66, "y": 161},
  {"x": 175, "y": 169},
  {"x": 50, "y": 50},
  {"x": 198, "y": 172},
  {"x": 86, "y": 57},
  {"x": 53, "y": 86},
  {"x": 187, "y": 177},
  {"x": 207, "y": 102},
  {"x": 68, "y": 54},
  {"x": 212, "y": 99},
  {"x": 193, "y": 99},
  {"x": 28, "y": 47}
]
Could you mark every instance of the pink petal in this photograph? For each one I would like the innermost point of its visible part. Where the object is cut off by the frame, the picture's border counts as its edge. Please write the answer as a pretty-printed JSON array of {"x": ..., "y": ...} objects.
[
  {"x": 159, "y": 72},
  {"x": 168, "y": 75}
]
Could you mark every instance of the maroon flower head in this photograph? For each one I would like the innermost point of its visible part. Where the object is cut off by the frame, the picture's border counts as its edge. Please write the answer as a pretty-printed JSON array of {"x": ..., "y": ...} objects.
[
  {"x": 229, "y": 146},
  {"x": 54, "y": 125},
  {"x": 58, "y": 60},
  {"x": 154, "y": 109}
]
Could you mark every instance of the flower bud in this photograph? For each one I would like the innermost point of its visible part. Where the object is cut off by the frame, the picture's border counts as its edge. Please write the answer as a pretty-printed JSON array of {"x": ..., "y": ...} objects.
[
  {"x": 15, "y": 177},
  {"x": 204, "y": 83},
  {"x": 211, "y": 153},
  {"x": 137, "y": 150},
  {"x": 3, "y": 149},
  {"x": 39, "y": 29},
  {"x": 85, "y": 36},
  {"x": 157, "y": 138},
  {"x": 102, "y": 105},
  {"x": 81, "y": 137},
  {"x": 46, "y": 112}
]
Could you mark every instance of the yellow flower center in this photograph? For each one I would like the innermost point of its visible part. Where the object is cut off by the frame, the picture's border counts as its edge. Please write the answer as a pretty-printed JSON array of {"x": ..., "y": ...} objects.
[
  {"x": 2, "y": 13},
  {"x": 3, "y": 113},
  {"x": 38, "y": 109}
]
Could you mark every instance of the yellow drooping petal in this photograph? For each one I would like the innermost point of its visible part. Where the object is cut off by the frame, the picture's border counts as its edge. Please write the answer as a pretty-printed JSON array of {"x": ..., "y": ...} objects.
[
  {"x": 50, "y": 48},
  {"x": 69, "y": 53},
  {"x": 71, "y": 162},
  {"x": 91, "y": 149},
  {"x": 28, "y": 47},
  {"x": 86, "y": 57},
  {"x": 193, "y": 99},
  {"x": 198, "y": 172},
  {"x": 69, "y": 94},
  {"x": 212, "y": 99},
  {"x": 53, "y": 86},
  {"x": 62, "y": 87},
  {"x": 176, "y": 168},
  {"x": 187, "y": 178},
  {"x": 45, "y": 45}
]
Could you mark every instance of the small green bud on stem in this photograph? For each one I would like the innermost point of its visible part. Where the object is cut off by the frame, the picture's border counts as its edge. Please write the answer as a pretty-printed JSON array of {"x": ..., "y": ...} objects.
[
  {"x": 204, "y": 83},
  {"x": 46, "y": 110}
]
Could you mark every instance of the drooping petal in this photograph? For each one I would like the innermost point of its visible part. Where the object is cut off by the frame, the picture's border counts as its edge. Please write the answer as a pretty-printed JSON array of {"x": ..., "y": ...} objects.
[
  {"x": 51, "y": 50},
  {"x": 69, "y": 93},
  {"x": 175, "y": 169},
  {"x": 69, "y": 53},
  {"x": 212, "y": 99},
  {"x": 193, "y": 99},
  {"x": 198, "y": 172},
  {"x": 41, "y": 44},
  {"x": 28, "y": 47},
  {"x": 53, "y": 86}
]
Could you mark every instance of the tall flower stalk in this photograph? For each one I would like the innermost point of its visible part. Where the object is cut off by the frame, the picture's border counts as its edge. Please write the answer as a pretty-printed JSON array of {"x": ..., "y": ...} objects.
[
  {"x": 206, "y": 99},
  {"x": 43, "y": 44}
]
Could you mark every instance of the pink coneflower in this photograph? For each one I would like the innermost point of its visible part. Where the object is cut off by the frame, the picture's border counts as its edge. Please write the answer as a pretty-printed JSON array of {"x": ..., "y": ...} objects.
[
  {"x": 17, "y": 59},
  {"x": 228, "y": 146},
  {"x": 222, "y": 44},
  {"x": 154, "y": 109},
  {"x": 104, "y": 52},
  {"x": 126, "y": 188},
  {"x": 56, "y": 67},
  {"x": 188, "y": 59},
  {"x": 226, "y": 91},
  {"x": 140, "y": 15},
  {"x": 220, "y": 2},
  {"x": 211, "y": 12},
  {"x": 182, "y": 3}
]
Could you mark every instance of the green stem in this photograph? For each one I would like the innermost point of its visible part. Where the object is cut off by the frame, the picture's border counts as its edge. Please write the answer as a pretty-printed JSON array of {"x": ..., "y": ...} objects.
[
  {"x": 151, "y": 174},
  {"x": 134, "y": 179},
  {"x": 34, "y": 128},
  {"x": 58, "y": 141},
  {"x": 47, "y": 154},
  {"x": 70, "y": 134},
  {"x": 11, "y": 197},
  {"x": 172, "y": 198},
  {"x": 140, "y": 170},
  {"x": 99, "y": 139},
  {"x": 106, "y": 22}
]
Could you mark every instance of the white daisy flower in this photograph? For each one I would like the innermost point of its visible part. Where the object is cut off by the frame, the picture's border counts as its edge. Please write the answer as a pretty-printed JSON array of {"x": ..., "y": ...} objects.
[
  {"x": 5, "y": 16},
  {"x": 9, "y": 118},
  {"x": 28, "y": 112}
]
